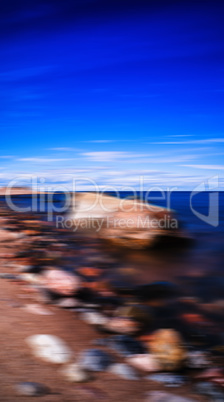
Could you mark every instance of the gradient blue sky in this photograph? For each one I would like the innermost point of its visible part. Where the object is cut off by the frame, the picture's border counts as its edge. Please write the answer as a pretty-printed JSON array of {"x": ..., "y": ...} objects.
[{"x": 112, "y": 90}]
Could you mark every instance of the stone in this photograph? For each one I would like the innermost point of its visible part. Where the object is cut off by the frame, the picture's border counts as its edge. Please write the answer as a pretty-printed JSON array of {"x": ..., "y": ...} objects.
[
  {"x": 125, "y": 345},
  {"x": 159, "y": 396},
  {"x": 37, "y": 309},
  {"x": 156, "y": 290},
  {"x": 61, "y": 282},
  {"x": 49, "y": 348},
  {"x": 135, "y": 312},
  {"x": 170, "y": 380},
  {"x": 95, "y": 360},
  {"x": 144, "y": 362},
  {"x": 4, "y": 275},
  {"x": 31, "y": 389},
  {"x": 210, "y": 390},
  {"x": 94, "y": 318},
  {"x": 124, "y": 371},
  {"x": 213, "y": 373},
  {"x": 31, "y": 278},
  {"x": 9, "y": 236},
  {"x": 167, "y": 346},
  {"x": 90, "y": 271},
  {"x": 197, "y": 360},
  {"x": 75, "y": 373},
  {"x": 122, "y": 325},
  {"x": 67, "y": 302}
]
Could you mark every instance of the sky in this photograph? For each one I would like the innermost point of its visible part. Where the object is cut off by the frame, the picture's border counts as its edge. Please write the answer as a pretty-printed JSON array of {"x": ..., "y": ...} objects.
[{"x": 112, "y": 91}]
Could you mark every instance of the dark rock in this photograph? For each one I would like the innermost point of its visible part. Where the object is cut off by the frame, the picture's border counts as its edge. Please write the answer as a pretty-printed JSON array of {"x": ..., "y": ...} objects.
[
  {"x": 159, "y": 396},
  {"x": 95, "y": 360},
  {"x": 210, "y": 390},
  {"x": 125, "y": 345},
  {"x": 32, "y": 389},
  {"x": 9, "y": 276},
  {"x": 170, "y": 380},
  {"x": 124, "y": 371},
  {"x": 156, "y": 290}
]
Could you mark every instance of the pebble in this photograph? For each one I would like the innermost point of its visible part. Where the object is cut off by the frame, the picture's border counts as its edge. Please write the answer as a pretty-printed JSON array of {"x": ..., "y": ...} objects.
[
  {"x": 4, "y": 275},
  {"x": 49, "y": 348},
  {"x": 61, "y": 282},
  {"x": 125, "y": 345},
  {"x": 31, "y": 278},
  {"x": 124, "y": 371},
  {"x": 159, "y": 396},
  {"x": 144, "y": 362},
  {"x": 37, "y": 309},
  {"x": 210, "y": 390},
  {"x": 135, "y": 312},
  {"x": 170, "y": 380},
  {"x": 122, "y": 325},
  {"x": 94, "y": 318},
  {"x": 197, "y": 360},
  {"x": 67, "y": 302},
  {"x": 75, "y": 373},
  {"x": 31, "y": 389},
  {"x": 156, "y": 290},
  {"x": 95, "y": 360},
  {"x": 167, "y": 346}
]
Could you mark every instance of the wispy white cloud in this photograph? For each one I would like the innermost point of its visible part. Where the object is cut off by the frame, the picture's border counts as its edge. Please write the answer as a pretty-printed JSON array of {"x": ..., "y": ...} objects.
[
  {"x": 6, "y": 157},
  {"x": 100, "y": 141},
  {"x": 132, "y": 157},
  {"x": 208, "y": 167},
  {"x": 109, "y": 156},
  {"x": 43, "y": 160},
  {"x": 204, "y": 141},
  {"x": 180, "y": 135},
  {"x": 64, "y": 149}
]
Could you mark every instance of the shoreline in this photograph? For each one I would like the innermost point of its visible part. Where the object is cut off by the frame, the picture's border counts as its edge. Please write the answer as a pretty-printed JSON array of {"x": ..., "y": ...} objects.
[{"x": 43, "y": 248}]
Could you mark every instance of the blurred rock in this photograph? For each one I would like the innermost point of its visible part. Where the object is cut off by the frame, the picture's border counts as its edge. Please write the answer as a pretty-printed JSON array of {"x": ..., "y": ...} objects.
[
  {"x": 94, "y": 318},
  {"x": 197, "y": 360},
  {"x": 156, "y": 290},
  {"x": 167, "y": 346},
  {"x": 95, "y": 360},
  {"x": 31, "y": 389},
  {"x": 169, "y": 380},
  {"x": 37, "y": 309},
  {"x": 9, "y": 236},
  {"x": 75, "y": 373},
  {"x": 210, "y": 390},
  {"x": 68, "y": 302},
  {"x": 49, "y": 348},
  {"x": 122, "y": 325},
  {"x": 144, "y": 362},
  {"x": 159, "y": 396},
  {"x": 124, "y": 371},
  {"x": 135, "y": 312},
  {"x": 61, "y": 282},
  {"x": 125, "y": 345}
]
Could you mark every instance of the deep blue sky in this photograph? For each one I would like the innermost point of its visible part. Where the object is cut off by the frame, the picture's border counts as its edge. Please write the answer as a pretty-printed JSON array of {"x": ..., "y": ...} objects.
[{"x": 113, "y": 90}]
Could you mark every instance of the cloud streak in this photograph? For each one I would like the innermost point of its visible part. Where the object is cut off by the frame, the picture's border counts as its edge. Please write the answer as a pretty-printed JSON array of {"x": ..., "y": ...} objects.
[
  {"x": 208, "y": 167},
  {"x": 204, "y": 141}
]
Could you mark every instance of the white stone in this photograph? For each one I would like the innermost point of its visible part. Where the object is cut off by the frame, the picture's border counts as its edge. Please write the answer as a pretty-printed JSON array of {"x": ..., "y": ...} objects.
[
  {"x": 75, "y": 373},
  {"x": 49, "y": 348},
  {"x": 94, "y": 318},
  {"x": 123, "y": 371},
  {"x": 145, "y": 362}
]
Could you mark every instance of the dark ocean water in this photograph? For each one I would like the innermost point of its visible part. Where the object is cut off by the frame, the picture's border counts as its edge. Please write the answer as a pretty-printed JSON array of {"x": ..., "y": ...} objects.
[{"x": 205, "y": 255}]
